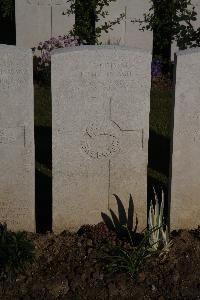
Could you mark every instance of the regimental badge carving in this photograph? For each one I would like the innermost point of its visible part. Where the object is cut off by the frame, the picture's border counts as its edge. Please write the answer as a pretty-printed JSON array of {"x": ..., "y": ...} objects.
[{"x": 101, "y": 140}]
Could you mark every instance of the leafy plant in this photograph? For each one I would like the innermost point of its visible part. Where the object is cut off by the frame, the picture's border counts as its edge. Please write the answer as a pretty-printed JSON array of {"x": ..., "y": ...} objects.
[
  {"x": 7, "y": 8},
  {"x": 45, "y": 48},
  {"x": 88, "y": 14},
  {"x": 130, "y": 261},
  {"x": 171, "y": 20},
  {"x": 42, "y": 56},
  {"x": 15, "y": 252},
  {"x": 159, "y": 238},
  {"x": 116, "y": 224},
  {"x": 156, "y": 68}
]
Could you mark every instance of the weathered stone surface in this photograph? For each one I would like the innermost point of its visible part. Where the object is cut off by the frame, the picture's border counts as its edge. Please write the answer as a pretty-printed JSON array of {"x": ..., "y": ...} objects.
[
  {"x": 39, "y": 20},
  {"x": 185, "y": 187},
  {"x": 17, "y": 203},
  {"x": 101, "y": 103}
]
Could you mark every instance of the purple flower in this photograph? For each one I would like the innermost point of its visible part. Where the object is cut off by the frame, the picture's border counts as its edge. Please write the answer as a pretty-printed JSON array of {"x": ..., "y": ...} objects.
[
  {"x": 54, "y": 43},
  {"x": 156, "y": 68}
]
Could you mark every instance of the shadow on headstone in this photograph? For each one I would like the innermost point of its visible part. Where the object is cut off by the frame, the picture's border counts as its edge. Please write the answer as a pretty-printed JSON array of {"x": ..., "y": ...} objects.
[{"x": 115, "y": 223}]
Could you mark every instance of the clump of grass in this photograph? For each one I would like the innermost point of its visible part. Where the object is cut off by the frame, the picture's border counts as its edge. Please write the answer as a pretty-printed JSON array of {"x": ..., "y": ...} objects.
[
  {"x": 155, "y": 239},
  {"x": 15, "y": 252},
  {"x": 130, "y": 261}
]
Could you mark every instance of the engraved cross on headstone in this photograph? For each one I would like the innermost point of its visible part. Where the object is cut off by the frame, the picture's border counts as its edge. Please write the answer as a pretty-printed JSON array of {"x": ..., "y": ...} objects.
[{"x": 102, "y": 140}]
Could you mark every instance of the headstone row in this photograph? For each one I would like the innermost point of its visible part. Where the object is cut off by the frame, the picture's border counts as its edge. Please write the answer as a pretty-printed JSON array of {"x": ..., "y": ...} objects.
[
  {"x": 39, "y": 20},
  {"x": 100, "y": 120}
]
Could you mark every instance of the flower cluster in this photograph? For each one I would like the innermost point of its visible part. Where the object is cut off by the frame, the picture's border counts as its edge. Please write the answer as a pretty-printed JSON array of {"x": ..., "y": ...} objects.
[
  {"x": 156, "y": 68},
  {"x": 53, "y": 43}
]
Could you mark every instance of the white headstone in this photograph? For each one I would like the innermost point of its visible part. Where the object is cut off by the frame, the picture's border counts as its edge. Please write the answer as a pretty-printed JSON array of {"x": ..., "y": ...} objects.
[
  {"x": 39, "y": 20},
  {"x": 117, "y": 35},
  {"x": 101, "y": 103},
  {"x": 133, "y": 36},
  {"x": 33, "y": 22},
  {"x": 17, "y": 172},
  {"x": 128, "y": 33},
  {"x": 185, "y": 186},
  {"x": 61, "y": 23}
]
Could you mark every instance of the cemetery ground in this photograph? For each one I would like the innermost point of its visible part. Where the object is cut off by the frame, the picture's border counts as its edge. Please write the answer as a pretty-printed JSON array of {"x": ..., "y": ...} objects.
[{"x": 74, "y": 265}]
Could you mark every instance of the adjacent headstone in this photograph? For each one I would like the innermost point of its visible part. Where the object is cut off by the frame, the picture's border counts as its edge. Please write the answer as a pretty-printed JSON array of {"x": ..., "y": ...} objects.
[
  {"x": 134, "y": 37},
  {"x": 128, "y": 33},
  {"x": 17, "y": 173},
  {"x": 185, "y": 185},
  {"x": 101, "y": 103},
  {"x": 33, "y": 22},
  {"x": 61, "y": 23},
  {"x": 117, "y": 35},
  {"x": 39, "y": 20}
]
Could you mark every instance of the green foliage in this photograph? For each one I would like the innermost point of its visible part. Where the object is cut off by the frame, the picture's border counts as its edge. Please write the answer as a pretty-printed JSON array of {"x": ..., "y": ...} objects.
[
  {"x": 88, "y": 13},
  {"x": 172, "y": 20},
  {"x": 155, "y": 240},
  {"x": 116, "y": 224},
  {"x": 15, "y": 251},
  {"x": 7, "y": 8},
  {"x": 130, "y": 261}
]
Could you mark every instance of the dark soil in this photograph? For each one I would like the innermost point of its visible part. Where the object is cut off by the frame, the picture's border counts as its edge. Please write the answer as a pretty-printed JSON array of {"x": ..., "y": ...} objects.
[{"x": 67, "y": 266}]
